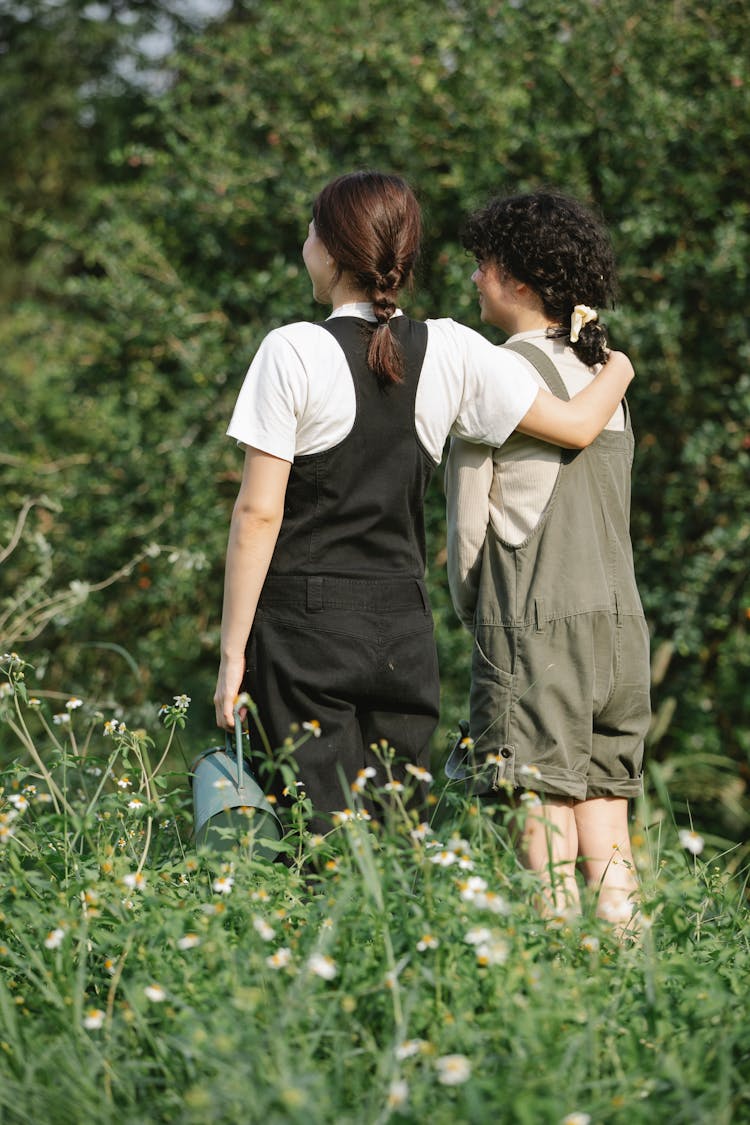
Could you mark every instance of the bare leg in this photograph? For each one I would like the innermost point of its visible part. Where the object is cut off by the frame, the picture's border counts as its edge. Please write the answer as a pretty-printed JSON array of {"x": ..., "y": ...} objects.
[
  {"x": 549, "y": 845},
  {"x": 607, "y": 857}
]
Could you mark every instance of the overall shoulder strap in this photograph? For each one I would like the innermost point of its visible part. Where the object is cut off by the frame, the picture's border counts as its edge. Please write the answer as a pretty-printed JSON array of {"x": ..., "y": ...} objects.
[
  {"x": 544, "y": 365},
  {"x": 353, "y": 334}
]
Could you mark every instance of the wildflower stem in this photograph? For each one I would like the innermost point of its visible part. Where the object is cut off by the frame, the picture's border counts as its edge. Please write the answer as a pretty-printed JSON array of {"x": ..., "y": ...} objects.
[
  {"x": 110, "y": 1012},
  {"x": 23, "y": 735}
]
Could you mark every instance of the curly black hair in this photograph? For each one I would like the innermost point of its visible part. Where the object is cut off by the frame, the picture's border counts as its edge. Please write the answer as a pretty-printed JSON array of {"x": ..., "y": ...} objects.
[{"x": 560, "y": 249}]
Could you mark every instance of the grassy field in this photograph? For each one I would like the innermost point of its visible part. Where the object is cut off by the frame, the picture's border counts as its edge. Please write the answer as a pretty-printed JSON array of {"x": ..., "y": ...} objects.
[{"x": 386, "y": 973}]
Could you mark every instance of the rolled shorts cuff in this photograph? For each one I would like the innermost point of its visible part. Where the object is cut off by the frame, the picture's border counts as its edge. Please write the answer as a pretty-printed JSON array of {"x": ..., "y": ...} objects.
[
  {"x": 630, "y": 788},
  {"x": 552, "y": 784}
]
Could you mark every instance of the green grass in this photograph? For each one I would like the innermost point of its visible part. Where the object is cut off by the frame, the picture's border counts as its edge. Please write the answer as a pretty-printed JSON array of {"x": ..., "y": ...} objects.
[{"x": 133, "y": 990}]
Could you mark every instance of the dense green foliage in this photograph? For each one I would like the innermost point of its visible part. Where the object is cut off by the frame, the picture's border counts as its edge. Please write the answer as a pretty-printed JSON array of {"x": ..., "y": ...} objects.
[
  {"x": 391, "y": 973},
  {"x": 152, "y": 238}
]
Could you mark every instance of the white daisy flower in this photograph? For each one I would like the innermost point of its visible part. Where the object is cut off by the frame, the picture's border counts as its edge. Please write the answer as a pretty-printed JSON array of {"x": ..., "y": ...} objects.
[
  {"x": 398, "y": 1093},
  {"x": 420, "y": 773},
  {"x": 453, "y": 1070},
  {"x": 280, "y": 959},
  {"x": 691, "y": 841},
  {"x": 322, "y": 965},
  {"x": 409, "y": 1048},
  {"x": 427, "y": 941},
  {"x": 223, "y": 885},
  {"x": 262, "y": 928}
]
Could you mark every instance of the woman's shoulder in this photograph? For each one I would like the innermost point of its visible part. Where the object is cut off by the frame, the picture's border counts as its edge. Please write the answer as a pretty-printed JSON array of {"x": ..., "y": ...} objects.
[
  {"x": 298, "y": 330},
  {"x": 451, "y": 333}
]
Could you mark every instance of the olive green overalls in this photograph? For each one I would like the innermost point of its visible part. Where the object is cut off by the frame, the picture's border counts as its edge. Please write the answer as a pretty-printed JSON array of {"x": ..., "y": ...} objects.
[{"x": 560, "y": 667}]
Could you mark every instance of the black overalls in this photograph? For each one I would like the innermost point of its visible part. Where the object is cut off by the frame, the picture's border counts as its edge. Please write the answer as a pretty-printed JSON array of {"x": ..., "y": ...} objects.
[{"x": 343, "y": 632}]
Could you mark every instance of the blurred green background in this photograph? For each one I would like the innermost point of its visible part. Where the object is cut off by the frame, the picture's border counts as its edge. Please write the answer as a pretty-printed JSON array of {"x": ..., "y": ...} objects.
[{"x": 158, "y": 166}]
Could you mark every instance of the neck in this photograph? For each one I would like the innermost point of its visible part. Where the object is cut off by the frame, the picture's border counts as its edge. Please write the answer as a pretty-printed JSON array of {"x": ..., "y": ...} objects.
[
  {"x": 344, "y": 292},
  {"x": 527, "y": 320}
]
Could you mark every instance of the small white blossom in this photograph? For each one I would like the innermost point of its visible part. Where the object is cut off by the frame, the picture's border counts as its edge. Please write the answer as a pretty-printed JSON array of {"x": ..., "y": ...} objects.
[
  {"x": 74, "y": 703},
  {"x": 61, "y": 719},
  {"x": 421, "y": 832},
  {"x": 691, "y": 841},
  {"x": 453, "y": 1070},
  {"x": 223, "y": 885},
  {"x": 427, "y": 941},
  {"x": 393, "y": 787},
  {"x": 19, "y": 802},
  {"x": 362, "y": 778},
  {"x": 135, "y": 803},
  {"x": 495, "y": 903},
  {"x": 188, "y": 941},
  {"x": 443, "y": 858},
  {"x": 54, "y": 938},
  {"x": 474, "y": 885},
  {"x": 313, "y": 727},
  {"x": 182, "y": 702},
  {"x": 420, "y": 773},
  {"x": 590, "y": 943},
  {"x": 134, "y": 880},
  {"x": 479, "y": 935},
  {"x": 492, "y": 952},
  {"x": 398, "y": 1093},
  {"x": 155, "y": 993},
  {"x": 280, "y": 959},
  {"x": 93, "y": 1018},
  {"x": 576, "y": 1119},
  {"x": 322, "y": 965},
  {"x": 262, "y": 928},
  {"x": 409, "y": 1048}
]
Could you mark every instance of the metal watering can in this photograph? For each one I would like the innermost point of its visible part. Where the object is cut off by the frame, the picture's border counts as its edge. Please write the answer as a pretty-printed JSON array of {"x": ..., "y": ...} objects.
[{"x": 226, "y": 795}]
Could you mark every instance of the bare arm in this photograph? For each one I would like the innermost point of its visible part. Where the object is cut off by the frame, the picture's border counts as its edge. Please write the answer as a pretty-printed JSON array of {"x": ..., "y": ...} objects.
[
  {"x": 253, "y": 532},
  {"x": 576, "y": 423}
]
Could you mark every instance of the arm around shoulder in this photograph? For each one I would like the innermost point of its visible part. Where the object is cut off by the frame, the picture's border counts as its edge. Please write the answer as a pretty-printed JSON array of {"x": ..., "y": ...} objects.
[{"x": 575, "y": 424}]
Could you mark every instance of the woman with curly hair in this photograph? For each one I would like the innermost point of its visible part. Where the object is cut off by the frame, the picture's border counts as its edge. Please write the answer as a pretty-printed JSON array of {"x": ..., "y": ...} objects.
[
  {"x": 326, "y": 619},
  {"x": 541, "y": 569}
]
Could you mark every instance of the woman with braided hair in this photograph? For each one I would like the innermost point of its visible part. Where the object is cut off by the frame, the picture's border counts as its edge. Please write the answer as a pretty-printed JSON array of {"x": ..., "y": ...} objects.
[
  {"x": 541, "y": 568},
  {"x": 326, "y": 619}
]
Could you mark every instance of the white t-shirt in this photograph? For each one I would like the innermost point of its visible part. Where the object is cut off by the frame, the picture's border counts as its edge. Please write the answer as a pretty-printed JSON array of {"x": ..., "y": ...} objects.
[{"x": 298, "y": 395}]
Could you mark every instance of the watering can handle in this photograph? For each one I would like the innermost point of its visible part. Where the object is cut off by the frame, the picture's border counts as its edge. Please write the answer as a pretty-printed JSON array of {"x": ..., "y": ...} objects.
[{"x": 238, "y": 747}]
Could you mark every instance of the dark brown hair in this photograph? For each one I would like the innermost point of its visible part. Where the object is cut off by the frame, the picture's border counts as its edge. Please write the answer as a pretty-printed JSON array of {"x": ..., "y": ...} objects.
[
  {"x": 560, "y": 249},
  {"x": 370, "y": 223}
]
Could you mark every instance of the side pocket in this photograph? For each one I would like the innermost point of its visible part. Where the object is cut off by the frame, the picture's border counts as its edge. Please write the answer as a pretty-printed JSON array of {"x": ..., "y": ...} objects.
[
  {"x": 491, "y": 705},
  {"x": 491, "y": 690}
]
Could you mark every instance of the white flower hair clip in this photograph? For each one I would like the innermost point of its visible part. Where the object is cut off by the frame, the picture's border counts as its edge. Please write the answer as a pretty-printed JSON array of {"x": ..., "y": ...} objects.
[{"x": 582, "y": 314}]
